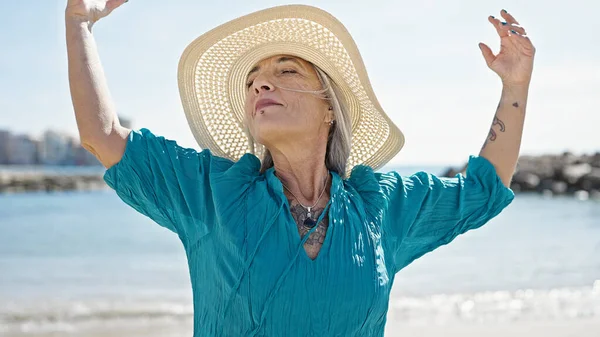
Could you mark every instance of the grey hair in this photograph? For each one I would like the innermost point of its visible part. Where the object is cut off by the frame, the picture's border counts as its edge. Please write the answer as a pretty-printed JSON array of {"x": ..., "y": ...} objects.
[{"x": 339, "y": 140}]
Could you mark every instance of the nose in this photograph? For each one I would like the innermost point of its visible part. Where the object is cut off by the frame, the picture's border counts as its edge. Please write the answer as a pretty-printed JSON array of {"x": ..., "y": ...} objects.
[{"x": 262, "y": 83}]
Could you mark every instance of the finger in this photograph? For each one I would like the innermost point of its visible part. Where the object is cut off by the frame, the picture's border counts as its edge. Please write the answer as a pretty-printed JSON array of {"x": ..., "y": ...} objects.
[
  {"x": 112, "y": 4},
  {"x": 517, "y": 29},
  {"x": 522, "y": 37},
  {"x": 508, "y": 17},
  {"x": 503, "y": 27},
  {"x": 488, "y": 55},
  {"x": 497, "y": 24}
]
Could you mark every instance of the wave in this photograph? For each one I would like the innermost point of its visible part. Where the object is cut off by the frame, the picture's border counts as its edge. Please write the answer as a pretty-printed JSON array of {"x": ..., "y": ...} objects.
[
  {"x": 499, "y": 306},
  {"x": 72, "y": 316},
  {"x": 480, "y": 307}
]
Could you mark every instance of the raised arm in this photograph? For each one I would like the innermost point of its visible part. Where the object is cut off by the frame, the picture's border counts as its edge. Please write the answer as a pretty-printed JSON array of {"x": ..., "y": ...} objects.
[
  {"x": 514, "y": 65},
  {"x": 99, "y": 129}
]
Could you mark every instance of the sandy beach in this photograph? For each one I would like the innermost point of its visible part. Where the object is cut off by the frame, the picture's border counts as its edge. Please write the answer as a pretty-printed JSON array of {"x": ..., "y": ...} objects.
[
  {"x": 572, "y": 328},
  {"x": 575, "y": 328}
]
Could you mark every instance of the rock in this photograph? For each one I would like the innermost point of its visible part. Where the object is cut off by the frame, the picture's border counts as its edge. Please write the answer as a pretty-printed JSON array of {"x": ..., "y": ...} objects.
[
  {"x": 559, "y": 187},
  {"x": 546, "y": 184},
  {"x": 591, "y": 180},
  {"x": 566, "y": 173},
  {"x": 572, "y": 173},
  {"x": 526, "y": 180},
  {"x": 595, "y": 160},
  {"x": 568, "y": 158},
  {"x": 582, "y": 195},
  {"x": 28, "y": 182}
]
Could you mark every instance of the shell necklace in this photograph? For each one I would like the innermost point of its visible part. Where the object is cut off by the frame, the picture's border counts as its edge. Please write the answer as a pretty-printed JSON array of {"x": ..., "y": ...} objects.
[{"x": 309, "y": 221}]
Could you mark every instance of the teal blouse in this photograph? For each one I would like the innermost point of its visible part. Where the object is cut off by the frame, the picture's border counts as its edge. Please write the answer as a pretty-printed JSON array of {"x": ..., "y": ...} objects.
[{"x": 249, "y": 272}]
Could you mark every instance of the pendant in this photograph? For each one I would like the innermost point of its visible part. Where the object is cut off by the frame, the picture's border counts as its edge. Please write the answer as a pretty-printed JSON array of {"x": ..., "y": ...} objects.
[{"x": 309, "y": 222}]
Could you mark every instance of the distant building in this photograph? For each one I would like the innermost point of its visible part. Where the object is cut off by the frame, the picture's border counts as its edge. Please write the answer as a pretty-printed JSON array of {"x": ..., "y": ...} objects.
[
  {"x": 22, "y": 150},
  {"x": 4, "y": 139},
  {"x": 71, "y": 158},
  {"x": 54, "y": 149}
]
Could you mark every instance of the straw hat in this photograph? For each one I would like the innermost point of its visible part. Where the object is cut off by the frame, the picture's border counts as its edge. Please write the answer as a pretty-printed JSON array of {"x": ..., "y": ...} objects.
[{"x": 213, "y": 69}]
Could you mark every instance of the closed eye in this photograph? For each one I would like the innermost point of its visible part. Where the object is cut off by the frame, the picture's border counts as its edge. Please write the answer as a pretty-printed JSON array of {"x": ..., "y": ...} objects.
[{"x": 286, "y": 71}]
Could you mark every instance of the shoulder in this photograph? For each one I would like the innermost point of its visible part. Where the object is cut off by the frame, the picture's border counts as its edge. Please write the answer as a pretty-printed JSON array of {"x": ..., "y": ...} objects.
[
  {"x": 368, "y": 182},
  {"x": 365, "y": 184},
  {"x": 146, "y": 151},
  {"x": 378, "y": 189}
]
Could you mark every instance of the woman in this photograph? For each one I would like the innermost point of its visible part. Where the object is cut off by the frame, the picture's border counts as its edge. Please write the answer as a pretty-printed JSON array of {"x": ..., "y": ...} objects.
[{"x": 307, "y": 240}]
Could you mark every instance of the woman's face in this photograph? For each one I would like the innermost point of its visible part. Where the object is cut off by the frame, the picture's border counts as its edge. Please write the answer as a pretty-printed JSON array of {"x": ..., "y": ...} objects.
[{"x": 275, "y": 114}]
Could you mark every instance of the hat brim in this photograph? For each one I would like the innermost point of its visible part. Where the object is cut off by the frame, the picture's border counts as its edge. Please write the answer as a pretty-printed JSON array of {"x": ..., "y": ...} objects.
[{"x": 213, "y": 68}]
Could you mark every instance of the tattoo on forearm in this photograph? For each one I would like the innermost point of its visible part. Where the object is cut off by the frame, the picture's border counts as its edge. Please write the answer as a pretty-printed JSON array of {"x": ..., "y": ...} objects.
[
  {"x": 492, "y": 135},
  {"x": 497, "y": 121}
]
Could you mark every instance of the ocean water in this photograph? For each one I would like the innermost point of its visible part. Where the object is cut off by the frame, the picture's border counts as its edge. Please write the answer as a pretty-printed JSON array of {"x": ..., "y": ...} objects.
[
  {"x": 52, "y": 170},
  {"x": 74, "y": 262}
]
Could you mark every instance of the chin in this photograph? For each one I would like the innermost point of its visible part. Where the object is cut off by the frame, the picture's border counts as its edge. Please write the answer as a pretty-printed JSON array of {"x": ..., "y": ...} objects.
[{"x": 268, "y": 131}]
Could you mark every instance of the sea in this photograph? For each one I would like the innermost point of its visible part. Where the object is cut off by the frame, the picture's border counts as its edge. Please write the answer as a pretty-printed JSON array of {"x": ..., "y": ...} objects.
[{"x": 72, "y": 263}]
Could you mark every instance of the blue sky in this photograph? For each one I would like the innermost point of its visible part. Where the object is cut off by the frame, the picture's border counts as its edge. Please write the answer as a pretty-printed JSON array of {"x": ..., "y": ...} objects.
[{"x": 422, "y": 58}]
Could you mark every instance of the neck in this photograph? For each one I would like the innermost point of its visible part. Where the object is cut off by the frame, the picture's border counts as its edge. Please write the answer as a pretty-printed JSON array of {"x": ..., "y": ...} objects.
[{"x": 304, "y": 173}]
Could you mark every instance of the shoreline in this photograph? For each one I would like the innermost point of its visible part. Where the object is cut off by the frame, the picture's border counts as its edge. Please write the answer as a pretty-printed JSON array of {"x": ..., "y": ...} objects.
[
  {"x": 565, "y": 174},
  {"x": 24, "y": 182},
  {"x": 552, "y": 328},
  {"x": 554, "y": 312}
]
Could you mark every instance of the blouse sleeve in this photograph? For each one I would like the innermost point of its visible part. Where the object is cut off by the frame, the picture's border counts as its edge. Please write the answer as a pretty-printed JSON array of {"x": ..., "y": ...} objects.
[
  {"x": 167, "y": 183},
  {"x": 426, "y": 211}
]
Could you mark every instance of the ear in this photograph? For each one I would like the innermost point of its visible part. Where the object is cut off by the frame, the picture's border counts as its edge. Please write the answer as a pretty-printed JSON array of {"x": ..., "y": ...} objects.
[{"x": 330, "y": 114}]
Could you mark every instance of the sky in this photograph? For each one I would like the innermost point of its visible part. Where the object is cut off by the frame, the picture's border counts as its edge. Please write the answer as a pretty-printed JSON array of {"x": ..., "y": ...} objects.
[{"x": 422, "y": 58}]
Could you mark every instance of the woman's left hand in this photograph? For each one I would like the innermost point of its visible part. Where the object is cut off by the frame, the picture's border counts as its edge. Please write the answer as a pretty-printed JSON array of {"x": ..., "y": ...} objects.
[{"x": 514, "y": 62}]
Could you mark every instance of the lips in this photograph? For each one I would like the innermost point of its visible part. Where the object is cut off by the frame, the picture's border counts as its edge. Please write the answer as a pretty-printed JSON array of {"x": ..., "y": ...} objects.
[{"x": 263, "y": 103}]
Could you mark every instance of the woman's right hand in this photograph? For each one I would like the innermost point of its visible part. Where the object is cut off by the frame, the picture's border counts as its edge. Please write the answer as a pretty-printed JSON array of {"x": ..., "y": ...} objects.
[{"x": 90, "y": 10}]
